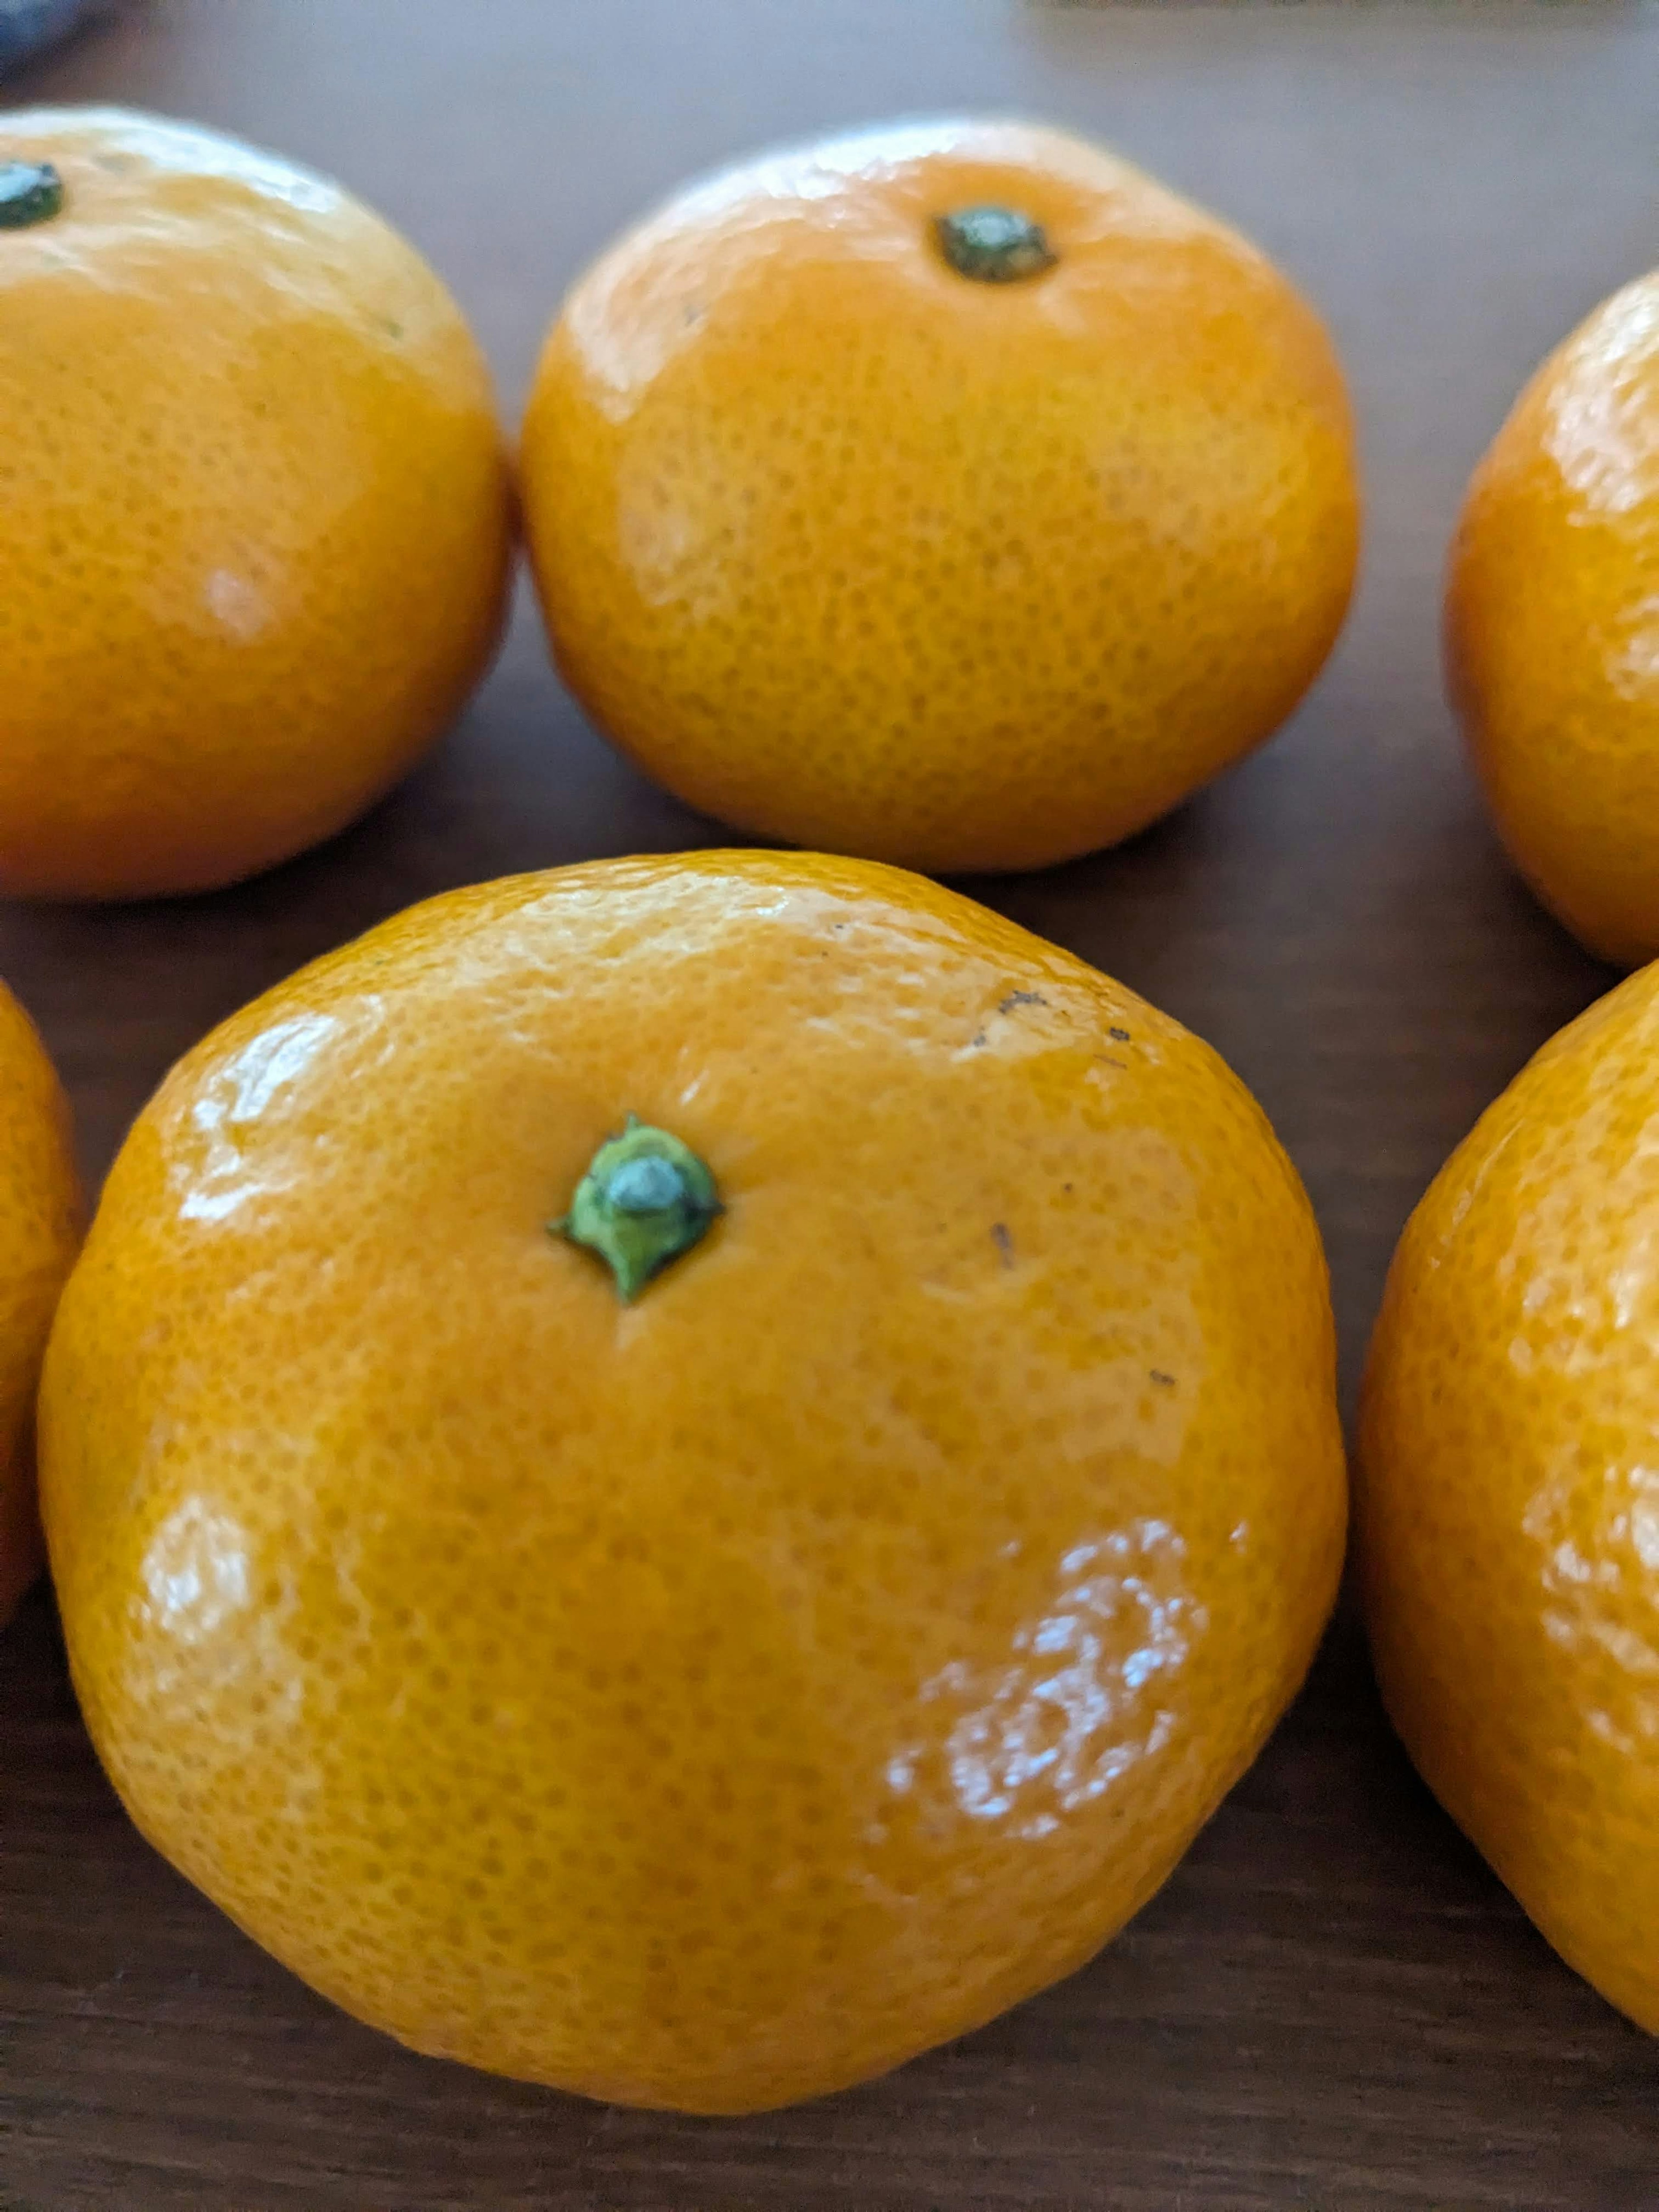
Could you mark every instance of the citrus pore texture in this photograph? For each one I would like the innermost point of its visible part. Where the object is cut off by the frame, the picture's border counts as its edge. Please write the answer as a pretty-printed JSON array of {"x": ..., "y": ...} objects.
[
  {"x": 850, "y": 549},
  {"x": 1508, "y": 1505},
  {"x": 39, "y": 1226},
  {"x": 255, "y": 511},
  {"x": 712, "y": 1700},
  {"x": 1553, "y": 628}
]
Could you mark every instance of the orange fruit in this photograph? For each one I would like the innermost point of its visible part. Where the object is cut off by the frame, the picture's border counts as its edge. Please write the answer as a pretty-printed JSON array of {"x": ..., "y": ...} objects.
[
  {"x": 963, "y": 570},
  {"x": 709, "y": 1696},
  {"x": 1553, "y": 628},
  {"x": 1508, "y": 1504},
  {"x": 254, "y": 515},
  {"x": 39, "y": 1228}
]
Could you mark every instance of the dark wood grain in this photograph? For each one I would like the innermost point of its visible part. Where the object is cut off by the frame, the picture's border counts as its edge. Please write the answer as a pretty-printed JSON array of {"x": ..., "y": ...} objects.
[{"x": 1333, "y": 2004}]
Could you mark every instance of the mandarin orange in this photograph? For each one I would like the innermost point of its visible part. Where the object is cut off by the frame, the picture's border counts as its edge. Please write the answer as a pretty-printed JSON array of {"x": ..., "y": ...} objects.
[
  {"x": 1553, "y": 628},
  {"x": 951, "y": 493},
  {"x": 39, "y": 1228},
  {"x": 254, "y": 509},
  {"x": 694, "y": 1611},
  {"x": 1508, "y": 1498}
]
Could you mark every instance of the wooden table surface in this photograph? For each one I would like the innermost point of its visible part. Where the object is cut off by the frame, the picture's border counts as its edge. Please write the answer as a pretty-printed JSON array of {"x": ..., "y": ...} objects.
[{"x": 1333, "y": 2004}]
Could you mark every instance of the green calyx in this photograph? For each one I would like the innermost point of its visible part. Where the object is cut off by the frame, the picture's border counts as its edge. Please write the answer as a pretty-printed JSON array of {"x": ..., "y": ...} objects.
[
  {"x": 645, "y": 1199},
  {"x": 30, "y": 192},
  {"x": 993, "y": 244}
]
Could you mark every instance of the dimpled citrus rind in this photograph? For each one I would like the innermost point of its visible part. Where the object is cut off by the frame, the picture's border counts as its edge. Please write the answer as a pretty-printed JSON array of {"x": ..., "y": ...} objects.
[
  {"x": 40, "y": 1227},
  {"x": 257, "y": 541},
  {"x": 1550, "y": 632},
  {"x": 854, "y": 552},
  {"x": 711, "y": 1701},
  {"x": 1508, "y": 1506}
]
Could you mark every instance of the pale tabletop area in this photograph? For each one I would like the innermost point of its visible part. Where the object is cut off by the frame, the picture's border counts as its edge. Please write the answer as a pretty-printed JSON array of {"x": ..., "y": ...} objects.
[{"x": 1332, "y": 2003}]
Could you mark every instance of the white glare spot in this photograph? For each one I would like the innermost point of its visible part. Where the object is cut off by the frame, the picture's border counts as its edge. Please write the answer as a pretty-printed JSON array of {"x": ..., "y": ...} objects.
[
  {"x": 235, "y": 603},
  {"x": 1644, "y": 1531},
  {"x": 239, "y": 1093},
  {"x": 196, "y": 1572},
  {"x": 1079, "y": 1698},
  {"x": 256, "y": 1075}
]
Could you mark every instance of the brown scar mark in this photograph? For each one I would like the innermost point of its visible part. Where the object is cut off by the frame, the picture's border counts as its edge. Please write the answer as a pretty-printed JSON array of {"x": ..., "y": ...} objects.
[
  {"x": 1164, "y": 1381},
  {"x": 1118, "y": 1035},
  {"x": 1020, "y": 998},
  {"x": 1004, "y": 1243}
]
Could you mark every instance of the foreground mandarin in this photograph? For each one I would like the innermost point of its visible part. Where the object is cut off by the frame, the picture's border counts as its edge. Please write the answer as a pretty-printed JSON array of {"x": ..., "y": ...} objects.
[
  {"x": 952, "y": 494},
  {"x": 1553, "y": 628},
  {"x": 255, "y": 529},
  {"x": 40, "y": 1227},
  {"x": 1508, "y": 1516},
  {"x": 685, "y": 1477}
]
